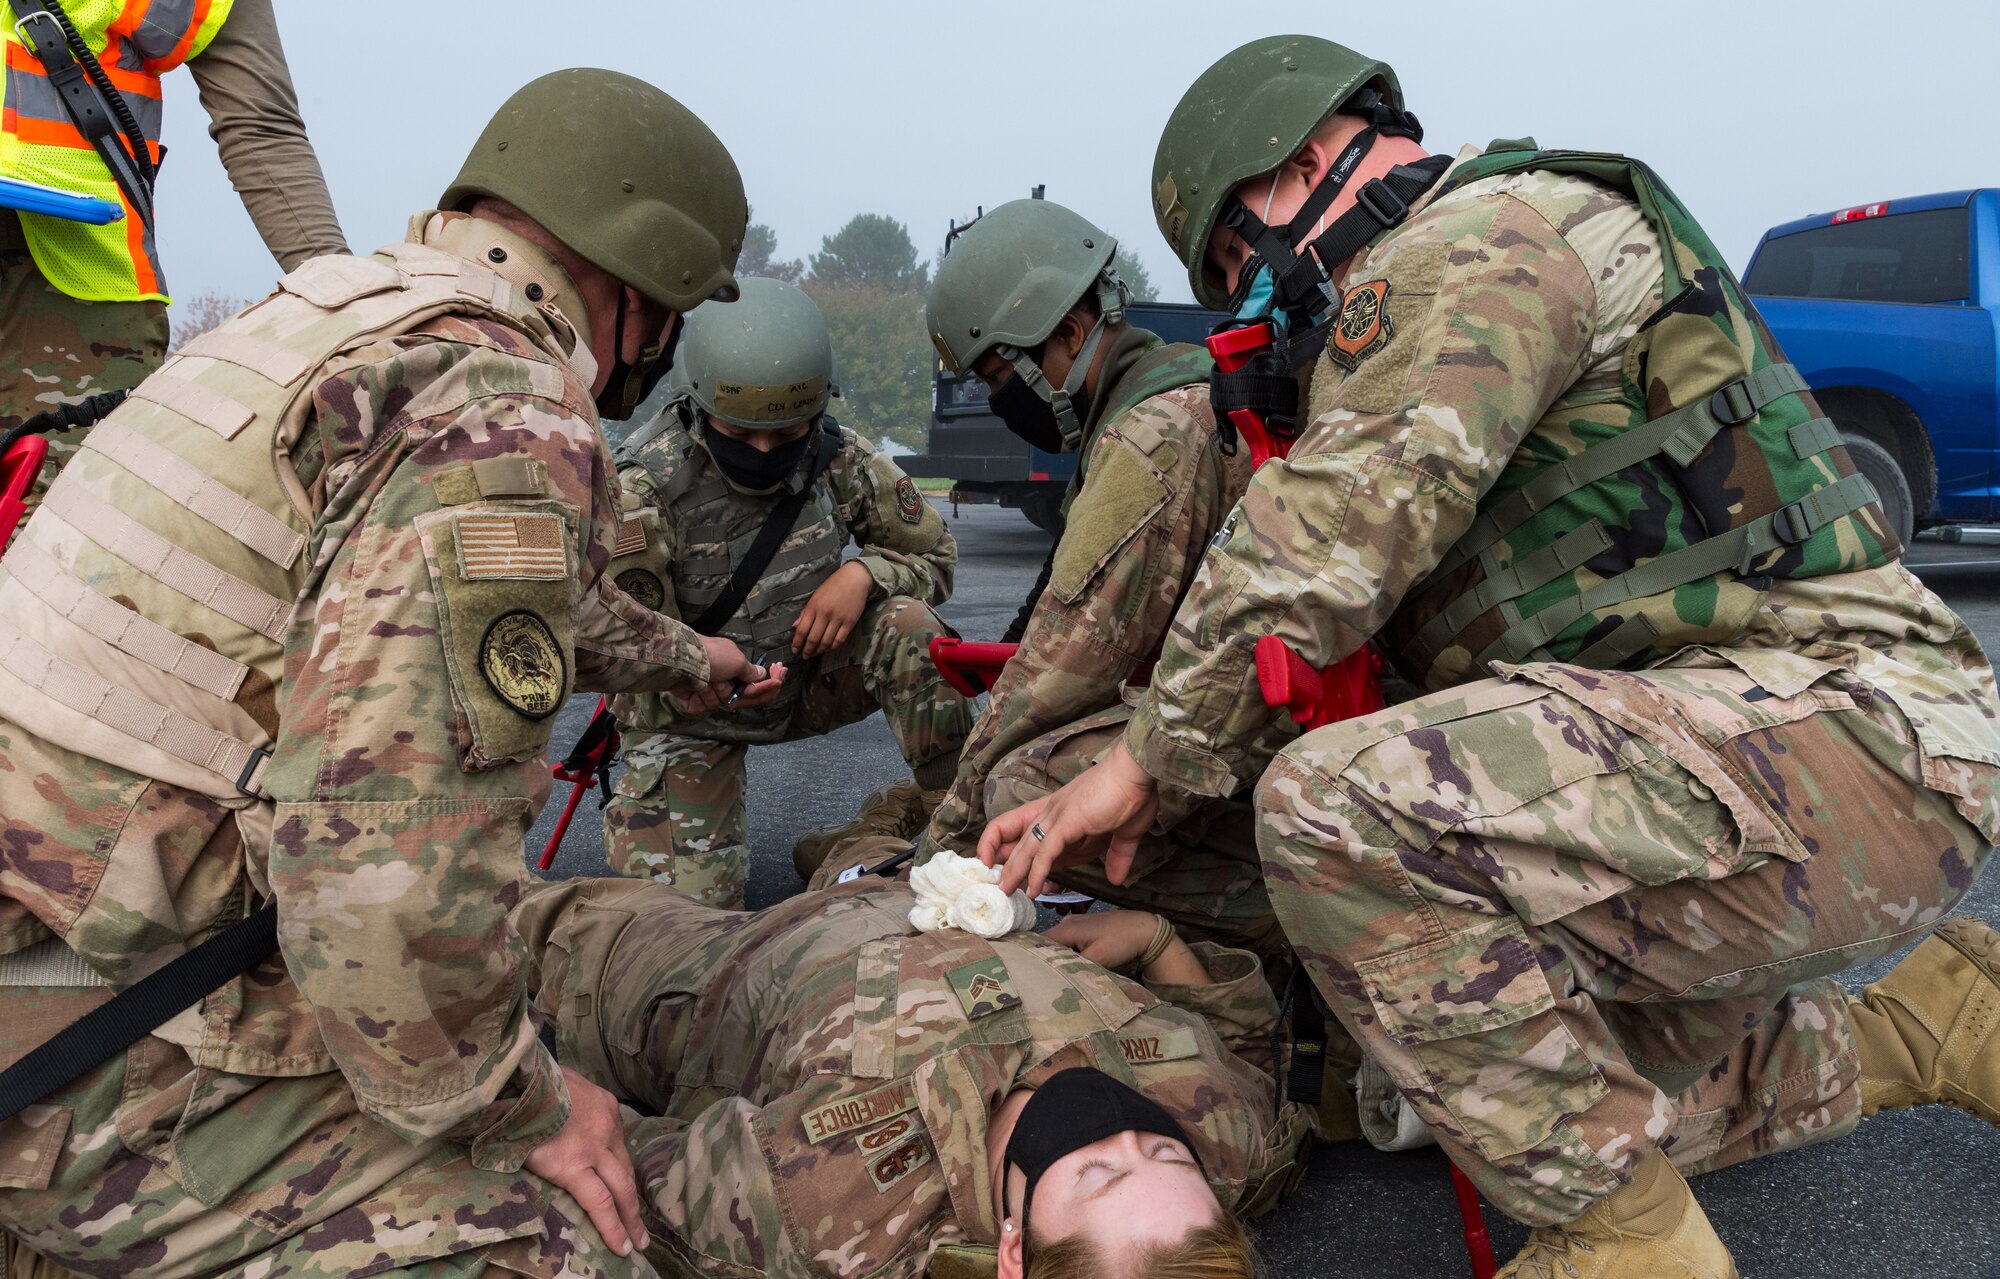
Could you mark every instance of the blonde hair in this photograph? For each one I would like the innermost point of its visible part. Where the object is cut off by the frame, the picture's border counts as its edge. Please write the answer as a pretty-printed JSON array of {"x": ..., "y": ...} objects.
[{"x": 1221, "y": 1250}]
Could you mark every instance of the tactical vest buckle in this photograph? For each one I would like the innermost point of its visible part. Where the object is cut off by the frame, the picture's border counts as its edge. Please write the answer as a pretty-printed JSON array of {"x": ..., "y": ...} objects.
[
  {"x": 1732, "y": 404},
  {"x": 1790, "y": 524},
  {"x": 1379, "y": 202},
  {"x": 248, "y": 776}
]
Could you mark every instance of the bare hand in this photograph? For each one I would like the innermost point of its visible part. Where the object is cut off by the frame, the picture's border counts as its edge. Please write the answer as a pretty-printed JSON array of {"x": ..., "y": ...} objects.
[
  {"x": 831, "y": 613},
  {"x": 728, "y": 669},
  {"x": 587, "y": 1157},
  {"x": 761, "y": 693},
  {"x": 1108, "y": 938},
  {"x": 1109, "y": 807}
]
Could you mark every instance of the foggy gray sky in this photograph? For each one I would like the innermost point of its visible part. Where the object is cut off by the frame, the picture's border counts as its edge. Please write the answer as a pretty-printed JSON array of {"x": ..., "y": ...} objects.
[{"x": 1755, "y": 111}]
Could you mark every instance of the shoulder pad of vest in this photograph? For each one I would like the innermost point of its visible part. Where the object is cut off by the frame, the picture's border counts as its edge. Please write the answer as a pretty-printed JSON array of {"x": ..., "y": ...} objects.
[{"x": 333, "y": 281}]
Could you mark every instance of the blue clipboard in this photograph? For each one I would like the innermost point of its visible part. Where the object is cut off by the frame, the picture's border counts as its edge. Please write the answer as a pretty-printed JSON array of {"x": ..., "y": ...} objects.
[{"x": 33, "y": 197}]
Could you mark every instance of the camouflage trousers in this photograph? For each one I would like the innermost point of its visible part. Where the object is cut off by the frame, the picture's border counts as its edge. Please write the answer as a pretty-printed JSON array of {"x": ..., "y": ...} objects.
[
  {"x": 677, "y": 813},
  {"x": 1577, "y": 915},
  {"x": 151, "y": 1166},
  {"x": 56, "y": 350},
  {"x": 1202, "y": 873}
]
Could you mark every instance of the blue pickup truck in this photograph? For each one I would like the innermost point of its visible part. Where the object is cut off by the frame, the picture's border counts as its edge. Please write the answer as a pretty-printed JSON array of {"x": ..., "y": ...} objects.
[{"x": 1891, "y": 311}]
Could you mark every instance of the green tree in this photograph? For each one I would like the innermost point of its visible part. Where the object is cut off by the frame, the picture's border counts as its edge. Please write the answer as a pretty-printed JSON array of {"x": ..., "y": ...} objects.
[
  {"x": 760, "y": 255},
  {"x": 882, "y": 360},
  {"x": 872, "y": 251},
  {"x": 1131, "y": 270}
]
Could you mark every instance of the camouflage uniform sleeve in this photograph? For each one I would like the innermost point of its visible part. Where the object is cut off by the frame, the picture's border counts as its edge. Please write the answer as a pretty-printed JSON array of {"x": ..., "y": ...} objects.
[
  {"x": 1237, "y": 1004},
  {"x": 423, "y": 672},
  {"x": 622, "y": 646},
  {"x": 904, "y": 543},
  {"x": 1490, "y": 316},
  {"x": 1156, "y": 488}
]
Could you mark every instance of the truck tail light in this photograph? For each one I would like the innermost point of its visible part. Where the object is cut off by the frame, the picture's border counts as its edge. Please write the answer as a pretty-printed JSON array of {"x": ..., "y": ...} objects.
[
  {"x": 1861, "y": 211},
  {"x": 1039, "y": 477}
]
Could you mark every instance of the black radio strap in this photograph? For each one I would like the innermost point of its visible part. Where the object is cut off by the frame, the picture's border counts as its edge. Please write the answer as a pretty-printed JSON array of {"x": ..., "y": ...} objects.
[
  {"x": 134, "y": 1013},
  {"x": 778, "y": 526},
  {"x": 92, "y": 103}
]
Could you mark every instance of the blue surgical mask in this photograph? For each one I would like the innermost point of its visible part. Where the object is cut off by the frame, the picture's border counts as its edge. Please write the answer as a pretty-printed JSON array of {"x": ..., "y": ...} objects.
[{"x": 1256, "y": 291}]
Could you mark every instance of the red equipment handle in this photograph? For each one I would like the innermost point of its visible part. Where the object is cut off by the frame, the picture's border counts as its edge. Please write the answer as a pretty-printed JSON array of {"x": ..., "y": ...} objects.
[
  {"x": 1478, "y": 1244},
  {"x": 580, "y": 779},
  {"x": 17, "y": 475},
  {"x": 970, "y": 666},
  {"x": 1232, "y": 349},
  {"x": 1316, "y": 698}
]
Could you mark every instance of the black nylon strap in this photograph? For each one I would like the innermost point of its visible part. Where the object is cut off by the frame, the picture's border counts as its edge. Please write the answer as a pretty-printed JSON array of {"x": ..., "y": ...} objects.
[
  {"x": 1305, "y": 1081},
  {"x": 132, "y": 1014},
  {"x": 600, "y": 728},
  {"x": 777, "y": 527}
]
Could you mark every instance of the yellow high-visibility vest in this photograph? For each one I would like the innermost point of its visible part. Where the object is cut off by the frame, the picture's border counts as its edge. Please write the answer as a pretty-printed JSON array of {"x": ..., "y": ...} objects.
[{"x": 137, "y": 41}]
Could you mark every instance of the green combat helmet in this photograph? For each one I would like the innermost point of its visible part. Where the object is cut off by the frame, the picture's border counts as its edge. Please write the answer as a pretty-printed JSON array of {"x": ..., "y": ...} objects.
[
  {"x": 1243, "y": 118},
  {"x": 765, "y": 363},
  {"x": 1008, "y": 280}
]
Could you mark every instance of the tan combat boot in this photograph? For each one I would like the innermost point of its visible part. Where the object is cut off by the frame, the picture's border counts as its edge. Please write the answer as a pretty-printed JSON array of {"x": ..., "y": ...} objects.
[
  {"x": 1930, "y": 1030},
  {"x": 1650, "y": 1228},
  {"x": 900, "y": 808}
]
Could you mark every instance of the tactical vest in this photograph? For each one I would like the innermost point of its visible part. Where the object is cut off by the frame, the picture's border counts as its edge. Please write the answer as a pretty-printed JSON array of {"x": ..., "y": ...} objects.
[
  {"x": 1627, "y": 528},
  {"x": 714, "y": 526},
  {"x": 143, "y": 609},
  {"x": 138, "y": 41}
]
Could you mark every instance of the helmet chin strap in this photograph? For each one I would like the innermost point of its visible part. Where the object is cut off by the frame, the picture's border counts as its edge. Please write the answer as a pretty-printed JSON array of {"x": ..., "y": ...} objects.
[{"x": 1065, "y": 399}]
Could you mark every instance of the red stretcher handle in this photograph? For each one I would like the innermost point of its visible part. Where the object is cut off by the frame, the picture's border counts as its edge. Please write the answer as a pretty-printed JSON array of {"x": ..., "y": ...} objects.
[
  {"x": 1232, "y": 349},
  {"x": 970, "y": 666},
  {"x": 581, "y": 779},
  {"x": 17, "y": 475}
]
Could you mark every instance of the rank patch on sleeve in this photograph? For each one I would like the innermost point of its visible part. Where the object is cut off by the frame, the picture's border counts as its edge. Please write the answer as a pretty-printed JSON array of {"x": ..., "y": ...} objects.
[
  {"x": 860, "y": 1110},
  {"x": 892, "y": 1166},
  {"x": 909, "y": 502},
  {"x": 526, "y": 545},
  {"x": 1364, "y": 326},
  {"x": 522, "y": 663},
  {"x": 643, "y": 586},
  {"x": 982, "y": 987},
  {"x": 1147, "y": 1050}
]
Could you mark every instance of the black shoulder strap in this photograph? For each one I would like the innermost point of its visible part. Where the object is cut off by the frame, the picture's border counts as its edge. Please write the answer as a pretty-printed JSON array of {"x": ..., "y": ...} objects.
[
  {"x": 132, "y": 1014},
  {"x": 777, "y": 527}
]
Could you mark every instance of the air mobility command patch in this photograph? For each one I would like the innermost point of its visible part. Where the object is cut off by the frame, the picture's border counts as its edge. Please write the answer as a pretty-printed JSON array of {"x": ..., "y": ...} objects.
[
  {"x": 982, "y": 987},
  {"x": 1363, "y": 326},
  {"x": 523, "y": 664},
  {"x": 643, "y": 586},
  {"x": 909, "y": 502}
]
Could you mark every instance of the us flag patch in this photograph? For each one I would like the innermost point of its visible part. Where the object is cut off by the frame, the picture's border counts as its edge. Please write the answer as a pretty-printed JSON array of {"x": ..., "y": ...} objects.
[
  {"x": 631, "y": 538},
  {"x": 511, "y": 546}
]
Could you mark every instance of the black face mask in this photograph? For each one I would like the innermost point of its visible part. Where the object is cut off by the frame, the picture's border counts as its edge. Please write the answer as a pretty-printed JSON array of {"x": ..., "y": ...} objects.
[
  {"x": 751, "y": 469},
  {"x": 1073, "y": 1108},
  {"x": 1030, "y": 416},
  {"x": 628, "y": 385}
]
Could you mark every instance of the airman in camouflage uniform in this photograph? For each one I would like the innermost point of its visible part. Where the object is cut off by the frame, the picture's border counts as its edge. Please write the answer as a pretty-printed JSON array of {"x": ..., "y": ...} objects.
[
  {"x": 758, "y": 371},
  {"x": 292, "y": 626},
  {"x": 1549, "y": 439},
  {"x": 1153, "y": 485},
  {"x": 822, "y": 1079}
]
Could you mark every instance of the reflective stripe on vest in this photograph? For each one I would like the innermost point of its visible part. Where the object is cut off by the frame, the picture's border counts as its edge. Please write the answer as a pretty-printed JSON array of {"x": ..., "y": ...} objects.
[{"x": 137, "y": 41}]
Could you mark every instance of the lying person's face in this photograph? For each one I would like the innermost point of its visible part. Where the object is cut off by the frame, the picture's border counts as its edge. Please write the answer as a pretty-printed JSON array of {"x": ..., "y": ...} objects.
[{"x": 1123, "y": 1193}]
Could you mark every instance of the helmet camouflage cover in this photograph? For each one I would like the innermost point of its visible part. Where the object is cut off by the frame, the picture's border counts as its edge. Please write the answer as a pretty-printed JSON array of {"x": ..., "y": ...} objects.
[
  {"x": 623, "y": 174},
  {"x": 1012, "y": 275},
  {"x": 1254, "y": 109},
  {"x": 765, "y": 363}
]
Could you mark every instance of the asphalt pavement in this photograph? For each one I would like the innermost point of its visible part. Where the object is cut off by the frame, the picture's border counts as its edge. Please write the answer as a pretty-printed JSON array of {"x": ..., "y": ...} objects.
[{"x": 1909, "y": 1195}]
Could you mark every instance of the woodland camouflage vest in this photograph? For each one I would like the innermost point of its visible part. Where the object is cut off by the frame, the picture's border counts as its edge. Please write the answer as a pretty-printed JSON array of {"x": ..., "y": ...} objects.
[
  {"x": 1627, "y": 529},
  {"x": 143, "y": 608}
]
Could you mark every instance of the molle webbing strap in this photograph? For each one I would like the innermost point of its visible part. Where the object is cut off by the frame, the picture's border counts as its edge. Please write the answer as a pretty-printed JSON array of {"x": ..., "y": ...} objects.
[
  {"x": 199, "y": 404},
  {"x": 166, "y": 563},
  {"x": 1529, "y": 573},
  {"x": 1680, "y": 435},
  {"x": 130, "y": 633},
  {"x": 195, "y": 490},
  {"x": 1731, "y": 552},
  {"x": 128, "y": 713},
  {"x": 272, "y": 361}
]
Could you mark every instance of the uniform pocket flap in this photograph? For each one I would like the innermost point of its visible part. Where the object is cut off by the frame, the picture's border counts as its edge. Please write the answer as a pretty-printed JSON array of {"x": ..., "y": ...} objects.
[
  {"x": 30, "y": 1144},
  {"x": 1481, "y": 979}
]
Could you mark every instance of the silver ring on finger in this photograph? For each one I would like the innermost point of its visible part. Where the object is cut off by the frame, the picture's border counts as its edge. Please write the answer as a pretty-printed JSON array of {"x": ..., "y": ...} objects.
[{"x": 1037, "y": 831}]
